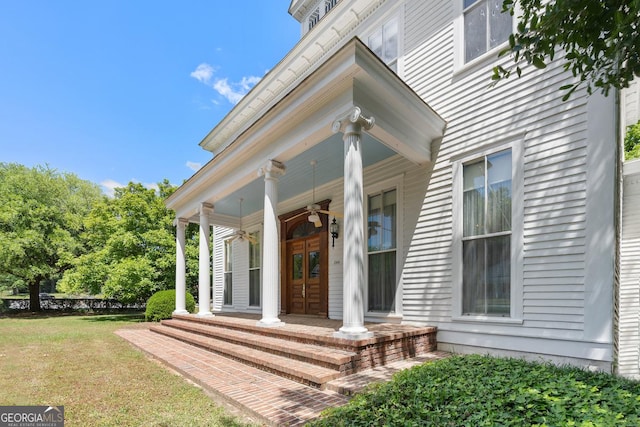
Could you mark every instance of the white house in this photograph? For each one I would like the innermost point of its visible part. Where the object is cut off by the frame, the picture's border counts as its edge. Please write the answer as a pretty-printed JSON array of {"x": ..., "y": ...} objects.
[{"x": 491, "y": 213}]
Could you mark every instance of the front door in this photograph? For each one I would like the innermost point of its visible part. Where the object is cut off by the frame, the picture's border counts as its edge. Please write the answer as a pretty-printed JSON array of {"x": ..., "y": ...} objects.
[{"x": 304, "y": 271}]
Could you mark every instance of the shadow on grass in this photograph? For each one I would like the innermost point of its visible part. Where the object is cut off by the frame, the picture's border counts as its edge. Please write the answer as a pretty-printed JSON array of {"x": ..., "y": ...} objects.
[
  {"x": 137, "y": 317},
  {"x": 130, "y": 317}
]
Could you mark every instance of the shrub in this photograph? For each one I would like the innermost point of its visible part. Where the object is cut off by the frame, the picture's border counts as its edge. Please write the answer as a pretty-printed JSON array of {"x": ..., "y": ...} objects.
[
  {"x": 161, "y": 304},
  {"x": 485, "y": 391},
  {"x": 632, "y": 142}
]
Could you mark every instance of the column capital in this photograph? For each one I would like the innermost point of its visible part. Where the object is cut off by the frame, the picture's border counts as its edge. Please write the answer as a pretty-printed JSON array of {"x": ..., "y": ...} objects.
[
  {"x": 181, "y": 222},
  {"x": 353, "y": 121},
  {"x": 273, "y": 169},
  {"x": 205, "y": 208}
]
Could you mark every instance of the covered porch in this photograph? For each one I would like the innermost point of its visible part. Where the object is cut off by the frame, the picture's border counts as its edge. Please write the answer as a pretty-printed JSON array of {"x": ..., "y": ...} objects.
[{"x": 345, "y": 114}]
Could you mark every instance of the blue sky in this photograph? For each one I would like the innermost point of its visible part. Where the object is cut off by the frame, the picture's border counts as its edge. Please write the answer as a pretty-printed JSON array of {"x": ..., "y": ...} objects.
[{"x": 124, "y": 90}]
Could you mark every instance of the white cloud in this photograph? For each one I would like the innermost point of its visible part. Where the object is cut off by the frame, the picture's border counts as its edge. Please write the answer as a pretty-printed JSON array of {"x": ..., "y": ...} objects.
[
  {"x": 234, "y": 92},
  {"x": 109, "y": 185},
  {"x": 194, "y": 166},
  {"x": 203, "y": 73}
]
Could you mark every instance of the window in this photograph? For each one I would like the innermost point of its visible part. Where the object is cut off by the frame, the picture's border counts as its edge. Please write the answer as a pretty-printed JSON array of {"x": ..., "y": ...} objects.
[
  {"x": 485, "y": 27},
  {"x": 329, "y": 4},
  {"x": 382, "y": 244},
  {"x": 314, "y": 18},
  {"x": 486, "y": 235},
  {"x": 254, "y": 270},
  {"x": 384, "y": 43},
  {"x": 227, "y": 297}
]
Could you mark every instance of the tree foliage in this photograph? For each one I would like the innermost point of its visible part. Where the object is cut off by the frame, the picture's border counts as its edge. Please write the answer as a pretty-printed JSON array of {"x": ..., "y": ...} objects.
[
  {"x": 632, "y": 142},
  {"x": 41, "y": 219},
  {"x": 600, "y": 40},
  {"x": 131, "y": 242}
]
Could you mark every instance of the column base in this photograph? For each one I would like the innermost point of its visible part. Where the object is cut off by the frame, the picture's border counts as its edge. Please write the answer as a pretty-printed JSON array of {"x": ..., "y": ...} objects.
[
  {"x": 270, "y": 323},
  {"x": 180, "y": 312},
  {"x": 353, "y": 333},
  {"x": 205, "y": 314}
]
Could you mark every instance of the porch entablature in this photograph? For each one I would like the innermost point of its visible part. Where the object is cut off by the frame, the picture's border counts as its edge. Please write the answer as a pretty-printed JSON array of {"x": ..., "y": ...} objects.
[{"x": 352, "y": 78}]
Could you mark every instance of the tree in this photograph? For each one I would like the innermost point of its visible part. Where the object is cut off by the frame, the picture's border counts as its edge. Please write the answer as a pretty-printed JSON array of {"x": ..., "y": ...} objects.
[
  {"x": 41, "y": 217},
  {"x": 132, "y": 246},
  {"x": 632, "y": 142},
  {"x": 600, "y": 40}
]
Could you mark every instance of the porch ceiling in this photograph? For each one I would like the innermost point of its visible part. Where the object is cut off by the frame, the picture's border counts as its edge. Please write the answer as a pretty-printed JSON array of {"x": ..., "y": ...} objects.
[
  {"x": 298, "y": 129},
  {"x": 299, "y": 177}
]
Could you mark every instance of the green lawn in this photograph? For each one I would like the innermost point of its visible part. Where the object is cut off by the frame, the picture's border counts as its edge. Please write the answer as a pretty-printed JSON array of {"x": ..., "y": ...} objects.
[{"x": 100, "y": 379}]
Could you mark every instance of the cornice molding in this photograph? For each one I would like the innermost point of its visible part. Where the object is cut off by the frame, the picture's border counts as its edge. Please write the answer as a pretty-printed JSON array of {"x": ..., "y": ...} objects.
[{"x": 326, "y": 37}]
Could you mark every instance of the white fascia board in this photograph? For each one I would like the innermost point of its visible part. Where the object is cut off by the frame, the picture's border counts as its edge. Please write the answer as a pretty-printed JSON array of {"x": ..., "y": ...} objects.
[
  {"x": 404, "y": 122},
  {"x": 352, "y": 77}
]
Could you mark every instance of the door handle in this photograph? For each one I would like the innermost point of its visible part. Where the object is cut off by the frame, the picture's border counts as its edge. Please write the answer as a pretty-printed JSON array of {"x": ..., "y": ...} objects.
[{"x": 303, "y": 290}]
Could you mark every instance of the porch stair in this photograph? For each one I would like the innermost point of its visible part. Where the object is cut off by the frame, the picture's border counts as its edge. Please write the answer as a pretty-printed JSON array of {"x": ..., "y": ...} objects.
[
  {"x": 307, "y": 354},
  {"x": 307, "y": 364}
]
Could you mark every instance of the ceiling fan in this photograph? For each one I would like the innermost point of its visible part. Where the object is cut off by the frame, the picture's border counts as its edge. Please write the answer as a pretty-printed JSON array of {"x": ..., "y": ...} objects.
[
  {"x": 313, "y": 209},
  {"x": 240, "y": 234}
]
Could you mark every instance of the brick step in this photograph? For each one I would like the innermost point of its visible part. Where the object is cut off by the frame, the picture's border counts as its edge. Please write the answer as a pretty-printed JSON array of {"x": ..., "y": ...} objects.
[
  {"x": 292, "y": 332},
  {"x": 302, "y": 372},
  {"x": 339, "y": 360}
]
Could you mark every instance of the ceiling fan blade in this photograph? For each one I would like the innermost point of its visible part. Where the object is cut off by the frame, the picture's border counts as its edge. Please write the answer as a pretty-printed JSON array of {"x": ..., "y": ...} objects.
[
  {"x": 296, "y": 216},
  {"x": 318, "y": 223},
  {"x": 332, "y": 213}
]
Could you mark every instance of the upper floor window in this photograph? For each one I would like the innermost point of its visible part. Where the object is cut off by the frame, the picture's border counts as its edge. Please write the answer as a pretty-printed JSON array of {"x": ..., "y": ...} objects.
[
  {"x": 329, "y": 4},
  {"x": 314, "y": 18},
  {"x": 485, "y": 27},
  {"x": 384, "y": 43}
]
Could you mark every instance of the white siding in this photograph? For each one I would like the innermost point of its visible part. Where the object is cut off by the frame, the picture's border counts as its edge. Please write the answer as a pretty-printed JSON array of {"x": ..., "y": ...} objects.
[
  {"x": 629, "y": 322},
  {"x": 555, "y": 287}
]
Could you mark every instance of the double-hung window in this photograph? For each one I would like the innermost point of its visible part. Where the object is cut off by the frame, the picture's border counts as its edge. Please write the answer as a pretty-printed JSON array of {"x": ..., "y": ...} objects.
[
  {"x": 254, "y": 270},
  {"x": 485, "y": 27},
  {"x": 384, "y": 43},
  {"x": 382, "y": 247},
  {"x": 227, "y": 294},
  {"x": 487, "y": 235}
]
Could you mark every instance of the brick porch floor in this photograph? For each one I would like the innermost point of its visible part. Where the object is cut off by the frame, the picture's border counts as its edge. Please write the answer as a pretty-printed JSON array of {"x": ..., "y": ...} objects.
[{"x": 266, "y": 397}]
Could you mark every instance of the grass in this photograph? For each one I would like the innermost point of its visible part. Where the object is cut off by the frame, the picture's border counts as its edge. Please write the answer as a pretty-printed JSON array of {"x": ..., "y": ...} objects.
[
  {"x": 484, "y": 391},
  {"x": 101, "y": 380}
]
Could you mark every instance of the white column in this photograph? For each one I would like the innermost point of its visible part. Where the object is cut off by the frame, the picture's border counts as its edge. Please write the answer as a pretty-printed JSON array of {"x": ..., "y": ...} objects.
[
  {"x": 270, "y": 249},
  {"x": 204, "y": 262},
  {"x": 354, "y": 239},
  {"x": 181, "y": 267}
]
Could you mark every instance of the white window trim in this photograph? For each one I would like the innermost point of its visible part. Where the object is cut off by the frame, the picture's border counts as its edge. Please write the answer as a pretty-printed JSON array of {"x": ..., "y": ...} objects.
[
  {"x": 388, "y": 184},
  {"x": 397, "y": 13},
  {"x": 491, "y": 55},
  {"x": 250, "y": 231},
  {"x": 515, "y": 144}
]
